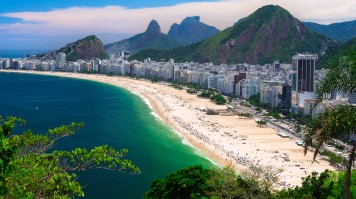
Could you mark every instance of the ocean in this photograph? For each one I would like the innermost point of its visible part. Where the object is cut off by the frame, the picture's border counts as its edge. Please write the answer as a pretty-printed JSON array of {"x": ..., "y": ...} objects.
[
  {"x": 112, "y": 116},
  {"x": 19, "y": 53}
]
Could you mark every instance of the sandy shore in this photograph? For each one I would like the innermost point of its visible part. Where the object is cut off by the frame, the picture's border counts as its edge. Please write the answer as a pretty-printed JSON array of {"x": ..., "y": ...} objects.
[{"x": 227, "y": 140}]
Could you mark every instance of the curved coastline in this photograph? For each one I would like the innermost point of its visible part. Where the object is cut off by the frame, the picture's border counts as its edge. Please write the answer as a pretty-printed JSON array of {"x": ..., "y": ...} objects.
[{"x": 225, "y": 140}]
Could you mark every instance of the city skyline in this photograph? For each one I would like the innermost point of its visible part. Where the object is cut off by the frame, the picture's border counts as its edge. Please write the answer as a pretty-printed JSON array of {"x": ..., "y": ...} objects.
[{"x": 50, "y": 25}]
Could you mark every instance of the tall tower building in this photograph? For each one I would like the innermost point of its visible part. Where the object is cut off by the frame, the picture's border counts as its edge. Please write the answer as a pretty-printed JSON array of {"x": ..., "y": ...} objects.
[
  {"x": 286, "y": 96},
  {"x": 60, "y": 60},
  {"x": 304, "y": 65}
]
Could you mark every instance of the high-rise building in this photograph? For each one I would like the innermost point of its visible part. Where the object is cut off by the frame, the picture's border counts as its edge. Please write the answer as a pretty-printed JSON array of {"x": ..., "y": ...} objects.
[
  {"x": 286, "y": 96},
  {"x": 60, "y": 60},
  {"x": 269, "y": 95},
  {"x": 237, "y": 79},
  {"x": 246, "y": 88},
  {"x": 304, "y": 64}
]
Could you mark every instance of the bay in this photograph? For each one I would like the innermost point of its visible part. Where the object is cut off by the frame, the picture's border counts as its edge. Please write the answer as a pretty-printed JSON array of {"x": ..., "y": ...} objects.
[
  {"x": 19, "y": 53},
  {"x": 112, "y": 116}
]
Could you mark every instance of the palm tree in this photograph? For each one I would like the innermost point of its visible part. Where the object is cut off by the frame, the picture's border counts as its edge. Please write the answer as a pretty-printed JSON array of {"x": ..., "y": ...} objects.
[{"x": 338, "y": 121}]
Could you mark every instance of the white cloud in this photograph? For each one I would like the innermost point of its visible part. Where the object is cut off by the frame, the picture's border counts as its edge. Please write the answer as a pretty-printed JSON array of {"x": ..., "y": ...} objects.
[{"x": 117, "y": 19}]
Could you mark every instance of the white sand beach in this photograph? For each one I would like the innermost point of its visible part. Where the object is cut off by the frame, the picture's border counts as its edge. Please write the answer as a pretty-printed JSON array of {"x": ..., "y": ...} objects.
[{"x": 227, "y": 140}]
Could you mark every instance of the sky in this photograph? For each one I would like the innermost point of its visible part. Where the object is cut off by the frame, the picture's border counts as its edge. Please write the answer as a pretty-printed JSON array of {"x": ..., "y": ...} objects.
[{"x": 51, "y": 24}]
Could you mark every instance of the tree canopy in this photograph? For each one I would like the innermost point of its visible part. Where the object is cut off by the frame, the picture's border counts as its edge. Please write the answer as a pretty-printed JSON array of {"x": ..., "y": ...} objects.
[
  {"x": 27, "y": 170},
  {"x": 337, "y": 121},
  {"x": 197, "y": 182}
]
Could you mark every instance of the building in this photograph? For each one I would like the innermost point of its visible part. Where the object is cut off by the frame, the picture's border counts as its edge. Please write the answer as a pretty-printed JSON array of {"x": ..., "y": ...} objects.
[
  {"x": 273, "y": 99},
  {"x": 269, "y": 95},
  {"x": 276, "y": 66},
  {"x": 237, "y": 79},
  {"x": 60, "y": 60},
  {"x": 286, "y": 100},
  {"x": 311, "y": 107},
  {"x": 246, "y": 88},
  {"x": 352, "y": 98},
  {"x": 304, "y": 65}
]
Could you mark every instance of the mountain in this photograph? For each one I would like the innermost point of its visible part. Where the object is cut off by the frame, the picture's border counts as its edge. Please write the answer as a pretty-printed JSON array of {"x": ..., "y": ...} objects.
[
  {"x": 151, "y": 38},
  {"x": 87, "y": 48},
  {"x": 335, "y": 52},
  {"x": 191, "y": 30},
  {"x": 340, "y": 31},
  {"x": 270, "y": 33}
]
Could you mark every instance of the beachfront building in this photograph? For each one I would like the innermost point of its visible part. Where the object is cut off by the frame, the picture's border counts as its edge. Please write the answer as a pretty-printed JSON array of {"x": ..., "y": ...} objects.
[
  {"x": 304, "y": 65},
  {"x": 286, "y": 98},
  {"x": 6, "y": 64},
  {"x": 246, "y": 88},
  {"x": 225, "y": 85},
  {"x": 269, "y": 95},
  {"x": 60, "y": 60}
]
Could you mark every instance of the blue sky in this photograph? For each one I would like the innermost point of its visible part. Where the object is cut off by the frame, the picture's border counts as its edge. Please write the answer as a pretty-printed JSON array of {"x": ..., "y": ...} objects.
[{"x": 50, "y": 24}]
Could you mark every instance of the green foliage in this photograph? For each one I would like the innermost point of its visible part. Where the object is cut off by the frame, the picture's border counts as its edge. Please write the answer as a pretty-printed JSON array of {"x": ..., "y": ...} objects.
[
  {"x": 190, "y": 182},
  {"x": 328, "y": 184},
  {"x": 218, "y": 99},
  {"x": 248, "y": 115},
  {"x": 145, "y": 42},
  {"x": 197, "y": 182},
  {"x": 273, "y": 113},
  {"x": 245, "y": 104},
  {"x": 205, "y": 94},
  {"x": 341, "y": 77},
  {"x": 337, "y": 121},
  {"x": 261, "y": 123},
  {"x": 342, "y": 32},
  {"x": 29, "y": 171},
  {"x": 254, "y": 100},
  {"x": 334, "y": 158},
  {"x": 313, "y": 187},
  {"x": 224, "y": 183}
]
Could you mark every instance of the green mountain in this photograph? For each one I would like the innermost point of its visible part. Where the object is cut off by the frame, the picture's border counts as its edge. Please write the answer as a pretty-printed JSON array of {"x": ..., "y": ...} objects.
[
  {"x": 340, "y": 31},
  {"x": 151, "y": 38},
  {"x": 270, "y": 33},
  {"x": 87, "y": 48},
  {"x": 191, "y": 30},
  {"x": 335, "y": 52}
]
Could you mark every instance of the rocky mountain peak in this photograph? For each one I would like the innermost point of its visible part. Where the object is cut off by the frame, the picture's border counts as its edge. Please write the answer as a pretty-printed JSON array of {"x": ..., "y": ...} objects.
[
  {"x": 193, "y": 18},
  {"x": 153, "y": 28}
]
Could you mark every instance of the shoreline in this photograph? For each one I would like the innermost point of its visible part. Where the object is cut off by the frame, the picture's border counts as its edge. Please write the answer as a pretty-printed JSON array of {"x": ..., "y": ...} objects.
[{"x": 225, "y": 140}]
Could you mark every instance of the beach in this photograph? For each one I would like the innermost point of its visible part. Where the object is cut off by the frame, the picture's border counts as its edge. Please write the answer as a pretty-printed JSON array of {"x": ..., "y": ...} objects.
[{"x": 227, "y": 140}]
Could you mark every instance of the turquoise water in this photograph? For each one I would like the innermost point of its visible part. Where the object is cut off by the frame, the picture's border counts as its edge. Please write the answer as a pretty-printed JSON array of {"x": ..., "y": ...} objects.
[{"x": 111, "y": 115}]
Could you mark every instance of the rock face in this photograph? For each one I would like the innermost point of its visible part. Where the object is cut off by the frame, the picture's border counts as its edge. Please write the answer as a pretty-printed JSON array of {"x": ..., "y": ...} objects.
[
  {"x": 270, "y": 33},
  {"x": 87, "y": 48},
  {"x": 191, "y": 30},
  {"x": 151, "y": 38},
  {"x": 343, "y": 31}
]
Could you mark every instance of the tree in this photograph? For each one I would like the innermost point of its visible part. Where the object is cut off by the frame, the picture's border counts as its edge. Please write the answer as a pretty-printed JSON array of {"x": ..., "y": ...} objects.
[
  {"x": 261, "y": 123},
  {"x": 338, "y": 121},
  {"x": 197, "y": 182},
  {"x": 190, "y": 182},
  {"x": 225, "y": 183},
  {"x": 329, "y": 184},
  {"x": 27, "y": 170},
  {"x": 313, "y": 187},
  {"x": 266, "y": 176}
]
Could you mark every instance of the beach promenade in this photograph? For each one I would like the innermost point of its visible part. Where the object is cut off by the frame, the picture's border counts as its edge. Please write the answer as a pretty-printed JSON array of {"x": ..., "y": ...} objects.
[{"x": 227, "y": 140}]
